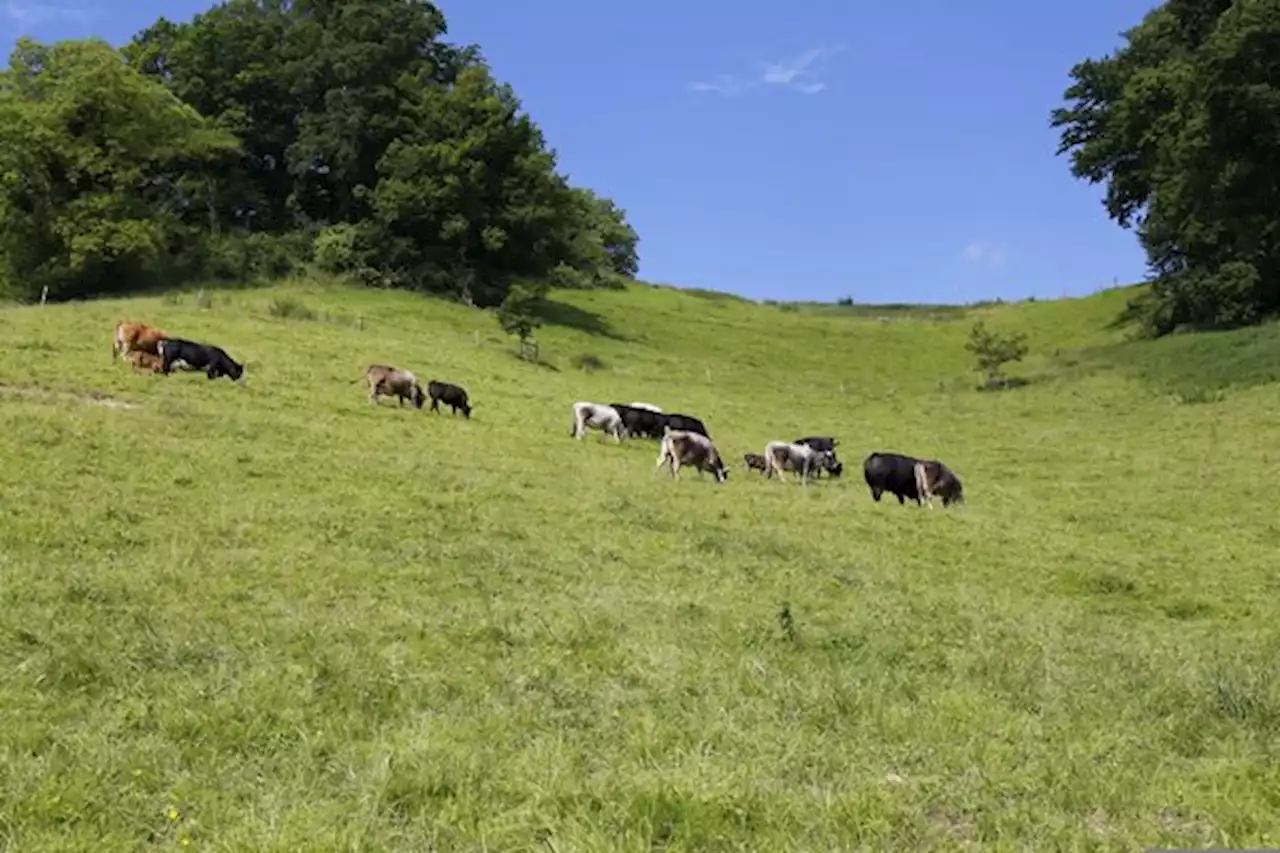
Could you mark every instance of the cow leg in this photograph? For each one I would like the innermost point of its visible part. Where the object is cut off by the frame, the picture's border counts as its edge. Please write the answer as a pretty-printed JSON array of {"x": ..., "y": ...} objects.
[{"x": 435, "y": 405}]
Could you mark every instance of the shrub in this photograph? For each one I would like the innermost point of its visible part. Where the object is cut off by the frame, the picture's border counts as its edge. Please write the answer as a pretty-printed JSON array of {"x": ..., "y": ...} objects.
[
  {"x": 335, "y": 249},
  {"x": 993, "y": 351}
]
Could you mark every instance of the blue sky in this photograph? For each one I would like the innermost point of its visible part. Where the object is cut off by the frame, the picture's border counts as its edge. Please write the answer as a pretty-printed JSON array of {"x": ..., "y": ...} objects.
[{"x": 888, "y": 153}]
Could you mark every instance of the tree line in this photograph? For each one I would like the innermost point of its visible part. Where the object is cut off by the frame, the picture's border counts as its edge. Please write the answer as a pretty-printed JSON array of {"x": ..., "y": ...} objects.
[
  {"x": 266, "y": 135},
  {"x": 1182, "y": 126}
]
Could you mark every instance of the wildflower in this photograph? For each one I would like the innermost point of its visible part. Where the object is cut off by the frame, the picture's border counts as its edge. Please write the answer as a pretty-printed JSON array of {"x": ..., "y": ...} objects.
[{"x": 173, "y": 813}]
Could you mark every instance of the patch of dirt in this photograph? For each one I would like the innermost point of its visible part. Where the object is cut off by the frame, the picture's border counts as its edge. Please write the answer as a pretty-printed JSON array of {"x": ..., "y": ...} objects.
[{"x": 93, "y": 398}]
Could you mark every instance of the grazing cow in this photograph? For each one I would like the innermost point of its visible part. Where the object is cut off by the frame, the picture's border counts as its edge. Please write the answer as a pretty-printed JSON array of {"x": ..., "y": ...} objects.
[
  {"x": 596, "y": 416},
  {"x": 388, "y": 380},
  {"x": 782, "y": 456},
  {"x": 646, "y": 406},
  {"x": 130, "y": 337},
  {"x": 638, "y": 421},
  {"x": 686, "y": 423},
  {"x": 756, "y": 461},
  {"x": 451, "y": 395},
  {"x": 213, "y": 360},
  {"x": 680, "y": 447},
  {"x": 907, "y": 477},
  {"x": 144, "y": 361},
  {"x": 827, "y": 443}
]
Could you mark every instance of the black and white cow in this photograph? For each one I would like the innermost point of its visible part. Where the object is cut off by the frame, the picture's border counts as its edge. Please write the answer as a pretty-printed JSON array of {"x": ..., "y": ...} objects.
[
  {"x": 680, "y": 447},
  {"x": 213, "y": 360},
  {"x": 910, "y": 478},
  {"x": 596, "y": 416}
]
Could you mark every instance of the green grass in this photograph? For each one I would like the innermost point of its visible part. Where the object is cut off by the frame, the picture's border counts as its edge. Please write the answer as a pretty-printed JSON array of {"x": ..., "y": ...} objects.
[{"x": 308, "y": 623}]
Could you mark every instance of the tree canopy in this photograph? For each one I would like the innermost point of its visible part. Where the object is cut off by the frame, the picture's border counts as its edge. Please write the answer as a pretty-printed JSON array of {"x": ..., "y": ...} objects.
[
  {"x": 349, "y": 133},
  {"x": 1182, "y": 125}
]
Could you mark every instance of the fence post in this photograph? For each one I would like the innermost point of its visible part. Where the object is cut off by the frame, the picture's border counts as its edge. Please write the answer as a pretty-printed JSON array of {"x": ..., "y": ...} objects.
[{"x": 44, "y": 294}]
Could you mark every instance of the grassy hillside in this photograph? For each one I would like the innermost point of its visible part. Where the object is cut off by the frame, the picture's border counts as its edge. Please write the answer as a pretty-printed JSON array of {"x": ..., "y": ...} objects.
[{"x": 275, "y": 617}]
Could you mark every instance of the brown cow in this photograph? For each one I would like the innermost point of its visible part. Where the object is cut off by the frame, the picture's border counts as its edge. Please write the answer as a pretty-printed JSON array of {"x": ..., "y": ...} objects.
[
  {"x": 145, "y": 361},
  {"x": 681, "y": 447},
  {"x": 131, "y": 337},
  {"x": 385, "y": 379}
]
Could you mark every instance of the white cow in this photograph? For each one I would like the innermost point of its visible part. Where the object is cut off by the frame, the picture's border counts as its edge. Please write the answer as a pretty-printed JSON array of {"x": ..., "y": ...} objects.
[
  {"x": 681, "y": 447},
  {"x": 782, "y": 456},
  {"x": 596, "y": 416}
]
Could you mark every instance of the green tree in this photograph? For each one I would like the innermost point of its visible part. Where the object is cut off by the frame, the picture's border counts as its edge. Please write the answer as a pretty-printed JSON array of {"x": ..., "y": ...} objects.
[
  {"x": 518, "y": 316},
  {"x": 311, "y": 88},
  {"x": 600, "y": 246},
  {"x": 1179, "y": 124},
  {"x": 102, "y": 171},
  {"x": 992, "y": 351},
  {"x": 468, "y": 194}
]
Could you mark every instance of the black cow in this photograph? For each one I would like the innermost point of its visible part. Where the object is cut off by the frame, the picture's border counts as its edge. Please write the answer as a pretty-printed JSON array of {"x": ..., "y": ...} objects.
[
  {"x": 637, "y": 421},
  {"x": 688, "y": 423},
  {"x": 449, "y": 394},
  {"x": 819, "y": 442},
  {"x": 908, "y": 477},
  {"x": 214, "y": 361}
]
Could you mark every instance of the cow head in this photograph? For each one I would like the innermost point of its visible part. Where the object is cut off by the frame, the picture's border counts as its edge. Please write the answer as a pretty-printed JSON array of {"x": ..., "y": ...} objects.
[
  {"x": 833, "y": 466},
  {"x": 949, "y": 488},
  {"x": 466, "y": 410},
  {"x": 417, "y": 397}
]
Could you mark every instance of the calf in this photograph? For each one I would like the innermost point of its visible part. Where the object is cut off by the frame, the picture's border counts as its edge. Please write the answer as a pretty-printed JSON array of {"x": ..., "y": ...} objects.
[
  {"x": 135, "y": 337},
  {"x": 907, "y": 477},
  {"x": 680, "y": 447},
  {"x": 754, "y": 461},
  {"x": 213, "y": 360},
  {"x": 451, "y": 395},
  {"x": 388, "y": 380},
  {"x": 144, "y": 361},
  {"x": 596, "y": 416},
  {"x": 782, "y": 456}
]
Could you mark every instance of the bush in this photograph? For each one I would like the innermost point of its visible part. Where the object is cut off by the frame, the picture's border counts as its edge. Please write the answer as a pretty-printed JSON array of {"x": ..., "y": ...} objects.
[
  {"x": 288, "y": 308},
  {"x": 335, "y": 249},
  {"x": 588, "y": 362},
  {"x": 993, "y": 351}
]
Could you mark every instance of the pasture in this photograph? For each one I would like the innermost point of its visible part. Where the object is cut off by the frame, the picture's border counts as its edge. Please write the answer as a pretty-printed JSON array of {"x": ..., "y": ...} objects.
[{"x": 276, "y": 617}]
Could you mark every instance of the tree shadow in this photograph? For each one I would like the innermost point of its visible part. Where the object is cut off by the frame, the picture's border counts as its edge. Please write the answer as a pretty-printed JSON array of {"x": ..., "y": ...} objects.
[{"x": 554, "y": 313}]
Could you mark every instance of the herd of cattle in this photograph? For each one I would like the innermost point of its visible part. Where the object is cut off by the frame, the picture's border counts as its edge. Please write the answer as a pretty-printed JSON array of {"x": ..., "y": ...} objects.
[{"x": 684, "y": 440}]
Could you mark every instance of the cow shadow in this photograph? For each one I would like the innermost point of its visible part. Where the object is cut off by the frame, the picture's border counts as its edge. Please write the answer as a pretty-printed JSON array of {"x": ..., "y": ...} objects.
[{"x": 554, "y": 313}]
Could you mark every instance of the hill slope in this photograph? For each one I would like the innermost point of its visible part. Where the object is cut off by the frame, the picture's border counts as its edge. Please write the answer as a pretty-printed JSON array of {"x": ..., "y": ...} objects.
[{"x": 305, "y": 622}]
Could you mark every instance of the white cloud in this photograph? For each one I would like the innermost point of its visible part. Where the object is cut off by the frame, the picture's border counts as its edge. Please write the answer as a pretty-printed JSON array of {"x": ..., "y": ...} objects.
[
  {"x": 797, "y": 74},
  {"x": 32, "y": 14},
  {"x": 980, "y": 253},
  {"x": 721, "y": 84}
]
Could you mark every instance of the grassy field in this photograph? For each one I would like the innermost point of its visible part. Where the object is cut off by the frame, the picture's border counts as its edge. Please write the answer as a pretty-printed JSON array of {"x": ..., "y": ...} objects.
[{"x": 277, "y": 618}]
